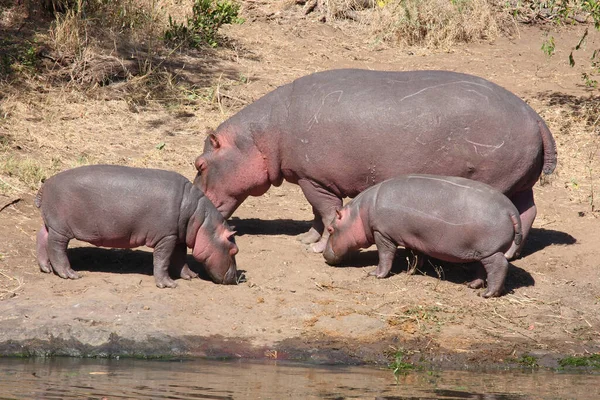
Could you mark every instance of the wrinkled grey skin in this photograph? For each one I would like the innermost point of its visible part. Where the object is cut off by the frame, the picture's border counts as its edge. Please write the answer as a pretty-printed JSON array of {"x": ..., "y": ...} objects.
[
  {"x": 123, "y": 207},
  {"x": 335, "y": 133},
  {"x": 449, "y": 218}
]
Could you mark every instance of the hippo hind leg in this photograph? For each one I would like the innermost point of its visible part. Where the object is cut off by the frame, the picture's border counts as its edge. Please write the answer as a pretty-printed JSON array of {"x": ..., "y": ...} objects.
[
  {"x": 496, "y": 267},
  {"x": 57, "y": 254},
  {"x": 480, "y": 275},
  {"x": 179, "y": 266},
  {"x": 527, "y": 210},
  {"x": 42, "y": 250}
]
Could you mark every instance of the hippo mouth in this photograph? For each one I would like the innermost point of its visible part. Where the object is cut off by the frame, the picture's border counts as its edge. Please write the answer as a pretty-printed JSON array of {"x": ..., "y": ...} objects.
[
  {"x": 230, "y": 276},
  {"x": 330, "y": 257}
]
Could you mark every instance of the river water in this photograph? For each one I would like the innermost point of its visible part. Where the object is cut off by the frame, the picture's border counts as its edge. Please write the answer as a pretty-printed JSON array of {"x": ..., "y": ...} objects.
[{"x": 65, "y": 378}]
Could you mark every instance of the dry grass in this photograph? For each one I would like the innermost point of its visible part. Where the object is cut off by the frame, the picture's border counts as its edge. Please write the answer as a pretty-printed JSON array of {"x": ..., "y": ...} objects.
[
  {"x": 437, "y": 23},
  {"x": 575, "y": 124}
]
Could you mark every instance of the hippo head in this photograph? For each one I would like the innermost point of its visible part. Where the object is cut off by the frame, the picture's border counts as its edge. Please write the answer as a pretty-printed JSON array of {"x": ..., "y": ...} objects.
[
  {"x": 215, "y": 247},
  {"x": 230, "y": 169},
  {"x": 346, "y": 235}
]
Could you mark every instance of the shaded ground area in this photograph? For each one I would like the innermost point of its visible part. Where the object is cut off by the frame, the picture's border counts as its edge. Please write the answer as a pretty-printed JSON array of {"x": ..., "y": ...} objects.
[{"x": 293, "y": 305}]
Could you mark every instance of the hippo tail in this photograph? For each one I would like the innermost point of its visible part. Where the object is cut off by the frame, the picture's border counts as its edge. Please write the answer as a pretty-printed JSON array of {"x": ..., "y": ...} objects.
[
  {"x": 549, "y": 146},
  {"x": 516, "y": 220},
  {"x": 38, "y": 197}
]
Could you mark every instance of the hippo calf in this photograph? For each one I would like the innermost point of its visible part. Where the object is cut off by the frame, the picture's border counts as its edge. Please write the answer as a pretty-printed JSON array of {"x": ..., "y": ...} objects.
[
  {"x": 449, "y": 218},
  {"x": 124, "y": 207},
  {"x": 335, "y": 133}
]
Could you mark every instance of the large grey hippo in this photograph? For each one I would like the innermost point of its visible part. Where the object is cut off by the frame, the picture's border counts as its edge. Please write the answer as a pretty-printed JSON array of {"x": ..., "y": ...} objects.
[{"x": 335, "y": 133}]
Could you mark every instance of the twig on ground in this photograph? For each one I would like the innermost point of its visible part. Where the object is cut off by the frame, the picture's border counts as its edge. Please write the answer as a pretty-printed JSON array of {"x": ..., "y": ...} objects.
[
  {"x": 6, "y": 276},
  {"x": 10, "y": 203}
]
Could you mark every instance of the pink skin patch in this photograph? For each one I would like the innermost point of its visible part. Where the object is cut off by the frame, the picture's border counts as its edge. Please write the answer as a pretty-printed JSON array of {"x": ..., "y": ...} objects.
[
  {"x": 347, "y": 234},
  {"x": 217, "y": 252},
  {"x": 228, "y": 176}
]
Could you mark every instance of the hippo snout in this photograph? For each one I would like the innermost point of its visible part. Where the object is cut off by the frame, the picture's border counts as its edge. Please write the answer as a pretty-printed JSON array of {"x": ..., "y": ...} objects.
[
  {"x": 230, "y": 276},
  {"x": 330, "y": 257}
]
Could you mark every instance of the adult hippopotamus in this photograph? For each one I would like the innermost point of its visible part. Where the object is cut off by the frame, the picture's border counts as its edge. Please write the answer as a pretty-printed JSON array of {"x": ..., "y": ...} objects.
[
  {"x": 335, "y": 133},
  {"x": 450, "y": 218},
  {"x": 124, "y": 207}
]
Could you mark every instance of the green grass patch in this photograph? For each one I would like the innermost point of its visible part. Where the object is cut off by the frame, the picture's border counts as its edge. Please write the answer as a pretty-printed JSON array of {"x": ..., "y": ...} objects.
[
  {"x": 201, "y": 28},
  {"x": 592, "y": 361},
  {"x": 399, "y": 366},
  {"x": 528, "y": 361}
]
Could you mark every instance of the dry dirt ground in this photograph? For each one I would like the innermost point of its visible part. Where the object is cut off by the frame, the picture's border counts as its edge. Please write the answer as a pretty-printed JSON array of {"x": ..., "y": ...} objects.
[{"x": 293, "y": 305}]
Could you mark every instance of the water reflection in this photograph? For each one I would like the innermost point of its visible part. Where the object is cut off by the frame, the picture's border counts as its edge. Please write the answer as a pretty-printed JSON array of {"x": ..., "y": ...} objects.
[{"x": 66, "y": 378}]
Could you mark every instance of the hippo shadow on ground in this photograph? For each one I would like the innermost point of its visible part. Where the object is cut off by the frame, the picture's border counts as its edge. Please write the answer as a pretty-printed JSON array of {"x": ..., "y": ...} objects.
[
  {"x": 122, "y": 261},
  {"x": 455, "y": 273},
  {"x": 255, "y": 226},
  {"x": 540, "y": 238}
]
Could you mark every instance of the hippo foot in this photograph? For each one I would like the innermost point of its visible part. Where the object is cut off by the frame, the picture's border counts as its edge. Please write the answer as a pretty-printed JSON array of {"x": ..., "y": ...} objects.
[
  {"x": 493, "y": 293},
  {"x": 47, "y": 268},
  {"x": 187, "y": 273},
  {"x": 476, "y": 283},
  {"x": 166, "y": 283},
  {"x": 319, "y": 247},
  {"x": 312, "y": 236},
  {"x": 379, "y": 275},
  {"x": 68, "y": 273}
]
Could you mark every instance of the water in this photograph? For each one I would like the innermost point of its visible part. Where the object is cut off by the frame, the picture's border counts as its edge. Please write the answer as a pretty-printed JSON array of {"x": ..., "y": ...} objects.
[{"x": 137, "y": 379}]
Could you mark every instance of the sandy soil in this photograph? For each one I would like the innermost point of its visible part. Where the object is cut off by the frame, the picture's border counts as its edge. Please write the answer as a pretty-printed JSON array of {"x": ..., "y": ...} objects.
[{"x": 293, "y": 305}]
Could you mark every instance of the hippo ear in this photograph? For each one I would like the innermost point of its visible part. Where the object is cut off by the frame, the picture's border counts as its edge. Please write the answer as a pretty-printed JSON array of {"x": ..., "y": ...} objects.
[
  {"x": 214, "y": 140},
  {"x": 338, "y": 213}
]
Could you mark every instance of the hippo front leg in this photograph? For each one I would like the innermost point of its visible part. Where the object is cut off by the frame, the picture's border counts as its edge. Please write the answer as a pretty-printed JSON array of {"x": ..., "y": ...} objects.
[
  {"x": 163, "y": 252},
  {"x": 324, "y": 204},
  {"x": 179, "y": 265},
  {"x": 387, "y": 251}
]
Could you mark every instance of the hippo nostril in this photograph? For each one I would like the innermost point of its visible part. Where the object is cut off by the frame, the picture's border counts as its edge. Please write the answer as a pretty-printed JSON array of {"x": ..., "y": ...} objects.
[{"x": 330, "y": 229}]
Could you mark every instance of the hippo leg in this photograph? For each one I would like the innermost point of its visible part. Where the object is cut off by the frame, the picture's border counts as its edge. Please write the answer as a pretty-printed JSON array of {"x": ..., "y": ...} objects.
[
  {"x": 162, "y": 258},
  {"x": 314, "y": 233},
  {"x": 496, "y": 267},
  {"x": 57, "y": 254},
  {"x": 324, "y": 205},
  {"x": 479, "y": 280},
  {"x": 179, "y": 266},
  {"x": 42, "y": 250},
  {"x": 387, "y": 252},
  {"x": 526, "y": 206}
]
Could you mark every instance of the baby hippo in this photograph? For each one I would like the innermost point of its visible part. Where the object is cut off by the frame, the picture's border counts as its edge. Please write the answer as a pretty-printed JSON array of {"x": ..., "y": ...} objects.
[
  {"x": 452, "y": 219},
  {"x": 123, "y": 207}
]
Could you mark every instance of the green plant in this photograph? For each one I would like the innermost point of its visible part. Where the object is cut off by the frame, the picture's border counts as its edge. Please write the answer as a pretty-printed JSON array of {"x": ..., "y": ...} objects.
[
  {"x": 207, "y": 17},
  {"x": 592, "y": 361},
  {"x": 567, "y": 11},
  {"x": 548, "y": 46},
  {"x": 399, "y": 366},
  {"x": 528, "y": 361}
]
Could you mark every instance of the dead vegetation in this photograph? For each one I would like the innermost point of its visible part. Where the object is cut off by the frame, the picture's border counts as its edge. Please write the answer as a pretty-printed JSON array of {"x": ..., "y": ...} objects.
[
  {"x": 437, "y": 24},
  {"x": 575, "y": 123}
]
